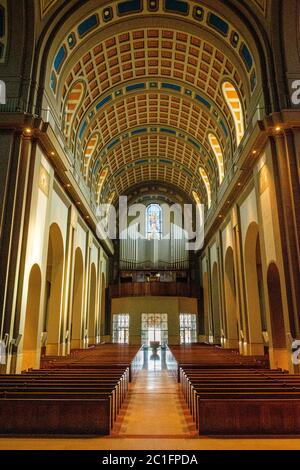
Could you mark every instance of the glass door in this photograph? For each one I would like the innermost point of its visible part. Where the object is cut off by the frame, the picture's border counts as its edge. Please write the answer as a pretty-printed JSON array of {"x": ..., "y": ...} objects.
[
  {"x": 188, "y": 328},
  {"x": 121, "y": 328},
  {"x": 154, "y": 328}
]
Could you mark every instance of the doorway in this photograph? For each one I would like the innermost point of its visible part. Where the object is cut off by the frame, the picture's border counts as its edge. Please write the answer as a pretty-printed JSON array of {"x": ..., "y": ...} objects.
[
  {"x": 121, "y": 328},
  {"x": 188, "y": 328},
  {"x": 154, "y": 328},
  {"x": 31, "y": 344}
]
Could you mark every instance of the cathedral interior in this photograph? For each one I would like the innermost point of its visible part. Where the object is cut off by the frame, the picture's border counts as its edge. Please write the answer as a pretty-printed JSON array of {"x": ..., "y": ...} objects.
[{"x": 167, "y": 105}]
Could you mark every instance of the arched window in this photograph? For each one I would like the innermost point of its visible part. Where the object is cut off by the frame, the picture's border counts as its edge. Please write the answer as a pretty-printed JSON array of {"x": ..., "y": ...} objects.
[
  {"x": 216, "y": 147},
  {"x": 207, "y": 185},
  {"x": 153, "y": 222},
  {"x": 89, "y": 150},
  {"x": 234, "y": 104},
  {"x": 71, "y": 107}
]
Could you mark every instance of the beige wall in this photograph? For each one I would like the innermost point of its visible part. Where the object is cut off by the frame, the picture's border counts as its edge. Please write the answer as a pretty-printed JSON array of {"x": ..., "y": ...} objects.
[
  {"x": 51, "y": 205},
  {"x": 256, "y": 209},
  {"x": 135, "y": 306},
  {"x": 227, "y": 238}
]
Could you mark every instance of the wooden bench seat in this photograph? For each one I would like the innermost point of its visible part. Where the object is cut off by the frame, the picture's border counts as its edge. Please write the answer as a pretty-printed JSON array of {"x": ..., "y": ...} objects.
[
  {"x": 229, "y": 394},
  {"x": 34, "y": 415},
  {"x": 79, "y": 394},
  {"x": 249, "y": 415}
]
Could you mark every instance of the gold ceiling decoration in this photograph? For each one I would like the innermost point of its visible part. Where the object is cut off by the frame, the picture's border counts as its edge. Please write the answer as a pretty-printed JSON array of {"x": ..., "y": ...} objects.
[
  {"x": 168, "y": 160},
  {"x": 161, "y": 68},
  {"x": 153, "y": 102}
]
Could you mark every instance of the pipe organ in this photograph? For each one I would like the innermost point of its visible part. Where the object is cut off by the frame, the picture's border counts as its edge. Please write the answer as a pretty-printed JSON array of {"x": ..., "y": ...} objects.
[{"x": 157, "y": 253}]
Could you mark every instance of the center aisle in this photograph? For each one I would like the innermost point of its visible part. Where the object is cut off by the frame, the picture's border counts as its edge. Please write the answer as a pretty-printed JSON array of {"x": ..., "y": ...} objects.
[{"x": 153, "y": 408}]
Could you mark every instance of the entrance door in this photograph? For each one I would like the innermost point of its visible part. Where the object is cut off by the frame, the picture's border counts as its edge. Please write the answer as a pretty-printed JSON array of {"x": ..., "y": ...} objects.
[
  {"x": 188, "y": 328},
  {"x": 154, "y": 328},
  {"x": 121, "y": 328}
]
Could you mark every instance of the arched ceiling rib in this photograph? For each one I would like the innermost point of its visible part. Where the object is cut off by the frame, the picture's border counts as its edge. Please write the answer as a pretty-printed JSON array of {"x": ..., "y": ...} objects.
[
  {"x": 144, "y": 54},
  {"x": 161, "y": 150},
  {"x": 153, "y": 190},
  {"x": 156, "y": 79},
  {"x": 152, "y": 172},
  {"x": 156, "y": 110}
]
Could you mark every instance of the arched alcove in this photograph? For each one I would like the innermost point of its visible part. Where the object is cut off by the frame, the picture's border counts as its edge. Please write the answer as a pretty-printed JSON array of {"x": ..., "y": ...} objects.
[
  {"x": 31, "y": 340},
  {"x": 260, "y": 282},
  {"x": 103, "y": 304},
  {"x": 276, "y": 307},
  {"x": 279, "y": 355},
  {"x": 254, "y": 339},
  {"x": 92, "y": 306},
  {"x": 230, "y": 301},
  {"x": 216, "y": 310},
  {"x": 206, "y": 305},
  {"x": 54, "y": 281},
  {"x": 71, "y": 107},
  {"x": 77, "y": 304}
]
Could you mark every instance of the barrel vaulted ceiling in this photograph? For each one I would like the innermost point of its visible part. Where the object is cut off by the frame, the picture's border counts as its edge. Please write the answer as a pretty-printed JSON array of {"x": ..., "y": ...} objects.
[
  {"x": 153, "y": 90},
  {"x": 46, "y": 5}
]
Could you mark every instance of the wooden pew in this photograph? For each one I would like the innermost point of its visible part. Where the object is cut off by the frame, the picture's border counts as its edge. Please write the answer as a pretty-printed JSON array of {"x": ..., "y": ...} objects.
[
  {"x": 67, "y": 389},
  {"x": 53, "y": 415},
  {"x": 228, "y": 394}
]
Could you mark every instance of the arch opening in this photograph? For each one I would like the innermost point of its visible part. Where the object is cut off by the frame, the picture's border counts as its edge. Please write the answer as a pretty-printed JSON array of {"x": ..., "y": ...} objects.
[
  {"x": 216, "y": 308},
  {"x": 31, "y": 343},
  {"x": 232, "y": 336},
  {"x": 234, "y": 104},
  {"x": 77, "y": 304},
  {"x": 92, "y": 307},
  {"x": 279, "y": 355},
  {"x": 276, "y": 307},
  {"x": 53, "y": 291},
  {"x": 206, "y": 306},
  {"x": 254, "y": 334}
]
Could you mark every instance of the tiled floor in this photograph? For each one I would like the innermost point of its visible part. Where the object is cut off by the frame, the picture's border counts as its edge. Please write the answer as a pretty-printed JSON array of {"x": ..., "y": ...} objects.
[{"x": 153, "y": 418}]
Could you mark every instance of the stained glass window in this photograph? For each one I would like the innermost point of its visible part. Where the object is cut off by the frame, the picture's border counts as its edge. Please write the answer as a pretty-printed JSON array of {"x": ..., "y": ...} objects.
[
  {"x": 154, "y": 328},
  {"x": 153, "y": 221}
]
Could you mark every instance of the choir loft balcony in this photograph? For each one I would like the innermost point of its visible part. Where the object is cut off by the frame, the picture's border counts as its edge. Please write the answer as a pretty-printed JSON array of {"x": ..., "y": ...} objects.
[{"x": 143, "y": 289}]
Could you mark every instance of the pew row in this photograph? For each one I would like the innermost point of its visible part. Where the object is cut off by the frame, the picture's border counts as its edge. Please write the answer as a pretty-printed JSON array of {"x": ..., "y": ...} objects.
[
  {"x": 228, "y": 394},
  {"x": 79, "y": 395}
]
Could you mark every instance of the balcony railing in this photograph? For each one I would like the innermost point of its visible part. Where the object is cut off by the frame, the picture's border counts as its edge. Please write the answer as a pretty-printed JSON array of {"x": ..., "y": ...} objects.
[{"x": 142, "y": 289}]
